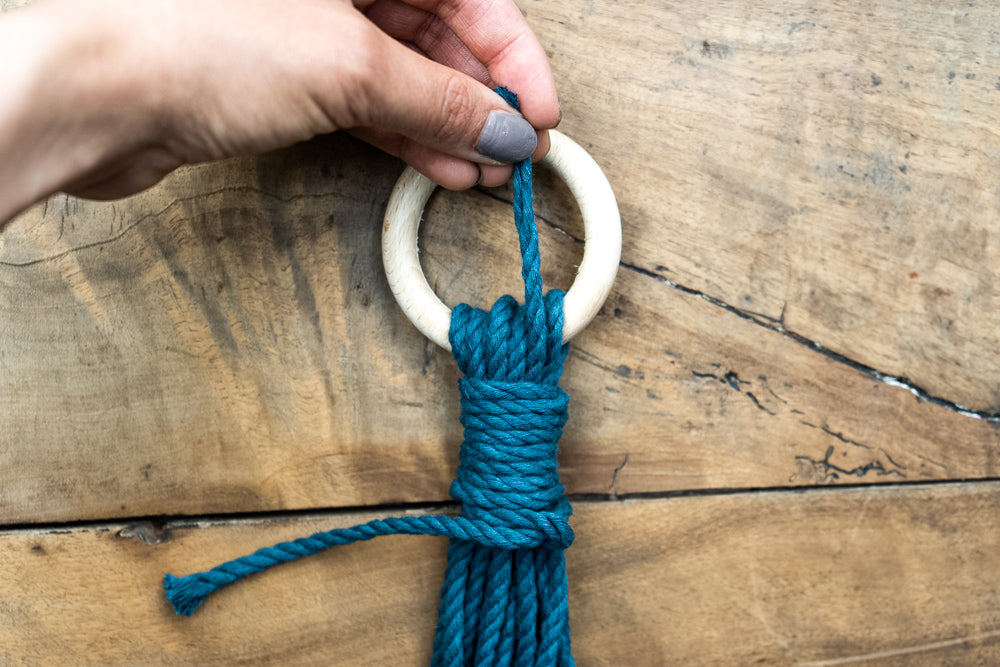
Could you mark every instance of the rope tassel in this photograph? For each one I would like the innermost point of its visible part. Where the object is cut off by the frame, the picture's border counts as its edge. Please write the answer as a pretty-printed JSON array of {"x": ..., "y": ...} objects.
[{"x": 504, "y": 598}]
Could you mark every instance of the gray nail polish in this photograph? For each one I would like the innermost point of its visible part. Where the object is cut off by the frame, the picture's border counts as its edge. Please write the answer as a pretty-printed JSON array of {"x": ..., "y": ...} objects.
[{"x": 506, "y": 138}]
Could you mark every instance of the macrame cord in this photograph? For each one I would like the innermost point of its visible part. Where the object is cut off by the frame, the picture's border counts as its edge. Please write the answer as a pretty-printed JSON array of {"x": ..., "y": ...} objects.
[{"x": 504, "y": 598}]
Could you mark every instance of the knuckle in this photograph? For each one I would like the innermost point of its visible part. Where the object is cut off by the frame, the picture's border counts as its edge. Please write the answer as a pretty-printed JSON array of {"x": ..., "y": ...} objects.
[
  {"x": 362, "y": 81},
  {"x": 431, "y": 30}
]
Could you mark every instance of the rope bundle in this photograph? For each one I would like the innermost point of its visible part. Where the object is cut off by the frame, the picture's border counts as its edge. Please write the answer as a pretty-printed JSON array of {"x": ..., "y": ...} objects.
[{"x": 504, "y": 599}]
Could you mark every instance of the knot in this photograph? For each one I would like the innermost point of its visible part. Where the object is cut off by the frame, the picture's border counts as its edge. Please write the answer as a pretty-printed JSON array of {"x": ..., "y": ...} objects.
[
  {"x": 511, "y": 342},
  {"x": 513, "y": 412},
  {"x": 507, "y": 475}
]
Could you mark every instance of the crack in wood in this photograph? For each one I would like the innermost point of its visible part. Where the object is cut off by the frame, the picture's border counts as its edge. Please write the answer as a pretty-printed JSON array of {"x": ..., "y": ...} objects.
[
  {"x": 614, "y": 477},
  {"x": 777, "y": 326},
  {"x": 839, "y": 436},
  {"x": 123, "y": 230},
  {"x": 734, "y": 381},
  {"x": 190, "y": 521},
  {"x": 827, "y": 471}
]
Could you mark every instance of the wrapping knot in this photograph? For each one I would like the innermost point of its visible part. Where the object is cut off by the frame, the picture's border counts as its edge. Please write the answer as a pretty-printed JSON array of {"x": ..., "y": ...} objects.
[
  {"x": 513, "y": 412},
  {"x": 507, "y": 474}
]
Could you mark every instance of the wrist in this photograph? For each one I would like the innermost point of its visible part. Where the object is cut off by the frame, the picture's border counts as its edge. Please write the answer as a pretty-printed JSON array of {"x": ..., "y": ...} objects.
[
  {"x": 24, "y": 173},
  {"x": 78, "y": 97}
]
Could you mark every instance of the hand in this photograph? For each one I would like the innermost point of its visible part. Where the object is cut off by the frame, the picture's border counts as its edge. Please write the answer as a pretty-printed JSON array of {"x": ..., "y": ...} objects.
[{"x": 106, "y": 97}]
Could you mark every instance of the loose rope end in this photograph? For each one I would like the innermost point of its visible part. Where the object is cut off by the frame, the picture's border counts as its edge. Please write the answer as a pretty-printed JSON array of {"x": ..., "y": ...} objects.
[{"x": 187, "y": 593}]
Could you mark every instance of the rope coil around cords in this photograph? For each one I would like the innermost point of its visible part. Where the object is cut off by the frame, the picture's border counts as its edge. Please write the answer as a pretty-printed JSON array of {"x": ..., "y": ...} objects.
[{"x": 504, "y": 598}]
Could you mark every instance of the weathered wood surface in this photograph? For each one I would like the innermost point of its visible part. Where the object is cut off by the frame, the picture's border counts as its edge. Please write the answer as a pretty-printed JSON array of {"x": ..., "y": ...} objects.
[
  {"x": 897, "y": 575},
  {"x": 809, "y": 192}
]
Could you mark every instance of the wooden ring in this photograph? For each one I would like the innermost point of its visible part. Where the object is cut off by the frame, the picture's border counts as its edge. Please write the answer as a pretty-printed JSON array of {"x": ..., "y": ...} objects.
[{"x": 601, "y": 252}]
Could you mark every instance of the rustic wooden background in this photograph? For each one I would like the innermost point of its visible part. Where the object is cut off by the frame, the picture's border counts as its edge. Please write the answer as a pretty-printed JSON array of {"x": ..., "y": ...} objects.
[{"x": 783, "y": 445}]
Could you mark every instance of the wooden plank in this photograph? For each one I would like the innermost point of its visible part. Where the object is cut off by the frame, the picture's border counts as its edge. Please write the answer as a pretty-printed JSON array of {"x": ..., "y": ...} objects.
[
  {"x": 226, "y": 342},
  {"x": 311, "y": 405},
  {"x": 829, "y": 166},
  {"x": 884, "y": 575}
]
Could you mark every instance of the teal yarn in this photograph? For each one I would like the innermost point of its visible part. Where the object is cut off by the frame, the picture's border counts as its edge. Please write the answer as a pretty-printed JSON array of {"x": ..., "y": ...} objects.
[{"x": 504, "y": 599}]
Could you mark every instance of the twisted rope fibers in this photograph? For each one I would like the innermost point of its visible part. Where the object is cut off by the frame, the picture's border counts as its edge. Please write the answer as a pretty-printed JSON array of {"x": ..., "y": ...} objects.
[{"x": 504, "y": 598}]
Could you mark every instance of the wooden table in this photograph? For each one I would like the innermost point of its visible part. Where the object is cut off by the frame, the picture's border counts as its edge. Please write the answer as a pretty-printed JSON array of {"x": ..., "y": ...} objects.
[{"x": 783, "y": 441}]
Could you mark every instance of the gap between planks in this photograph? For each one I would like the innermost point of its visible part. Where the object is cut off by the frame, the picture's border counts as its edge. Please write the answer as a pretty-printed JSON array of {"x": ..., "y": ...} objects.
[{"x": 160, "y": 522}]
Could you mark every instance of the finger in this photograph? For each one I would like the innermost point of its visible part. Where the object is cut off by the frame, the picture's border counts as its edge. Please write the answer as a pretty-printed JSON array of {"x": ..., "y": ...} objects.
[
  {"x": 492, "y": 176},
  {"x": 124, "y": 177},
  {"x": 452, "y": 173},
  {"x": 430, "y": 34},
  {"x": 542, "y": 149},
  {"x": 446, "y": 170},
  {"x": 438, "y": 107},
  {"x": 497, "y": 34}
]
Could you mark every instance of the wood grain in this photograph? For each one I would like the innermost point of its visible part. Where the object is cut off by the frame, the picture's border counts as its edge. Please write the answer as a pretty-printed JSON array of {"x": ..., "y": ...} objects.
[
  {"x": 829, "y": 166},
  {"x": 806, "y": 295},
  {"x": 905, "y": 575}
]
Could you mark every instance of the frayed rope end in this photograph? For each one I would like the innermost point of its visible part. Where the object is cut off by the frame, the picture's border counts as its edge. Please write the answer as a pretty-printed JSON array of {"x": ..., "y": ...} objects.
[{"x": 187, "y": 593}]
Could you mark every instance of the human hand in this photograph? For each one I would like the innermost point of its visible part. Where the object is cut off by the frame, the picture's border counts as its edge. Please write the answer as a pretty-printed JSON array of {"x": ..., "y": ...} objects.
[{"x": 108, "y": 96}]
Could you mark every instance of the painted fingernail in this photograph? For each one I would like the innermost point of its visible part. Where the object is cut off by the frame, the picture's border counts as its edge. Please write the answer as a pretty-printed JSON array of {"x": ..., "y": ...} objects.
[{"x": 506, "y": 137}]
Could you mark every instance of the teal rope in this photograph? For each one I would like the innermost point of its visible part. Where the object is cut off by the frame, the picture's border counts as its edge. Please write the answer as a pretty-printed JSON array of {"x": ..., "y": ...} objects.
[{"x": 504, "y": 598}]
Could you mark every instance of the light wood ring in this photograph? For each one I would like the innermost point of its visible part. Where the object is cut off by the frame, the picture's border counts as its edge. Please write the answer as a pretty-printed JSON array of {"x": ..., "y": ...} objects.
[{"x": 601, "y": 252}]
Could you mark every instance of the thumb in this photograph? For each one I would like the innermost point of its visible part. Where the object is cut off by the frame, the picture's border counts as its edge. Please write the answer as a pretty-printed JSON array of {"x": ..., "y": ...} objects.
[{"x": 444, "y": 109}]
